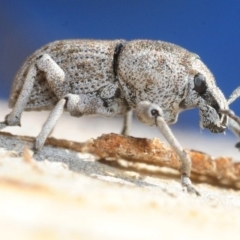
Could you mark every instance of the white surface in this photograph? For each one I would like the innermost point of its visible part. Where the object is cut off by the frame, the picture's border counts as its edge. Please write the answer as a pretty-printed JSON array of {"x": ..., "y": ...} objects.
[{"x": 70, "y": 196}]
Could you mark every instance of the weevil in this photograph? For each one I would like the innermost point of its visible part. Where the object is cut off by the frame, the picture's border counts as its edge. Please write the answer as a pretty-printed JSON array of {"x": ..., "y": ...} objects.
[{"x": 93, "y": 77}]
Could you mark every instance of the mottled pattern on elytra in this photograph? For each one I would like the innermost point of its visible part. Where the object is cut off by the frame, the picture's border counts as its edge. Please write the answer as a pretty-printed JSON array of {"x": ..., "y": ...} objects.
[
  {"x": 88, "y": 66},
  {"x": 41, "y": 95},
  {"x": 143, "y": 70}
]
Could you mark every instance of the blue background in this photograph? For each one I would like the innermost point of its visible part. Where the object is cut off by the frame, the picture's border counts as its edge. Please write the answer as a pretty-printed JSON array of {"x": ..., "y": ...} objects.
[{"x": 209, "y": 28}]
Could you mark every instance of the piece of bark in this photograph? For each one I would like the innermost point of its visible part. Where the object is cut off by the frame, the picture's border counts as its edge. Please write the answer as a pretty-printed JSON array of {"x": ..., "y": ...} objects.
[
  {"x": 142, "y": 150},
  {"x": 157, "y": 153}
]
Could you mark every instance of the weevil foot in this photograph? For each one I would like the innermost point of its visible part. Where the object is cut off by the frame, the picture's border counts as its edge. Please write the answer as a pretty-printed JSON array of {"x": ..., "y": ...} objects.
[
  {"x": 12, "y": 119},
  {"x": 39, "y": 142},
  {"x": 237, "y": 145},
  {"x": 190, "y": 189},
  {"x": 34, "y": 150},
  {"x": 187, "y": 184},
  {"x": 2, "y": 125}
]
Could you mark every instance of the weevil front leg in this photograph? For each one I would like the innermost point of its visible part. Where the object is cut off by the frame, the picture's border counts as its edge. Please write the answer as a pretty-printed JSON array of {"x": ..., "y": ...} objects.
[
  {"x": 234, "y": 121},
  {"x": 55, "y": 78},
  {"x": 151, "y": 114}
]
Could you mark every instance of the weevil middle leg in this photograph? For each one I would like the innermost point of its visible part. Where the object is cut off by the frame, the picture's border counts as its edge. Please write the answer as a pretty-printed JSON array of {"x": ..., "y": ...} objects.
[
  {"x": 76, "y": 105},
  {"x": 127, "y": 122}
]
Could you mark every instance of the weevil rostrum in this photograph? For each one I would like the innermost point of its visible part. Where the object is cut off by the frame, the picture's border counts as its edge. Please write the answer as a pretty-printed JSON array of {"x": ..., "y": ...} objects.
[{"x": 93, "y": 77}]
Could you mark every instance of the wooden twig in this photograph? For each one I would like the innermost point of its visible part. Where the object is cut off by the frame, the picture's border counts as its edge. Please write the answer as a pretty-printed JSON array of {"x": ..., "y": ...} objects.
[
  {"x": 142, "y": 150},
  {"x": 157, "y": 153}
]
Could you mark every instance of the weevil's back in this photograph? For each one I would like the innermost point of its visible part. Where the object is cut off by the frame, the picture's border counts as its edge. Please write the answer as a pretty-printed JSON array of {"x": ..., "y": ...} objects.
[
  {"x": 42, "y": 98},
  {"x": 87, "y": 64}
]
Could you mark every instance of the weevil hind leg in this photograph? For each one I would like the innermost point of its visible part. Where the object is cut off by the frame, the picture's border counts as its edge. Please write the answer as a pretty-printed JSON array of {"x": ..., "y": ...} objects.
[
  {"x": 152, "y": 114},
  {"x": 127, "y": 123},
  {"x": 13, "y": 118},
  {"x": 54, "y": 74},
  {"x": 55, "y": 77}
]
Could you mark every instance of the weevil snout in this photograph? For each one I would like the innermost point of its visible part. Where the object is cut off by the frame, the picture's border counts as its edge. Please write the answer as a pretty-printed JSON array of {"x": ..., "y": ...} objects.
[
  {"x": 223, "y": 123},
  {"x": 217, "y": 129},
  {"x": 212, "y": 119},
  {"x": 210, "y": 98}
]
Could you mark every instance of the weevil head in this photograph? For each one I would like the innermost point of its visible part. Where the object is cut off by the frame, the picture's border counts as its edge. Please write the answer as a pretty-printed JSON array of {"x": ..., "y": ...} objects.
[{"x": 202, "y": 92}]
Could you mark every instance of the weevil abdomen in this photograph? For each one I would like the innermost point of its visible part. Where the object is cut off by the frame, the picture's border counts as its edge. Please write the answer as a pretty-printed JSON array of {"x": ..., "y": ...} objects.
[{"x": 87, "y": 65}]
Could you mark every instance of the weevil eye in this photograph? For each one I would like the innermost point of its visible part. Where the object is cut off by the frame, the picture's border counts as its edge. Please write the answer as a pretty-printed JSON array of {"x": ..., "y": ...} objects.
[
  {"x": 200, "y": 84},
  {"x": 155, "y": 113}
]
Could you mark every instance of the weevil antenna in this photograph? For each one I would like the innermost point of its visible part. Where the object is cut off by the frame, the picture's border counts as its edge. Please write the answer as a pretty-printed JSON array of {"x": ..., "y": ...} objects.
[
  {"x": 235, "y": 94},
  {"x": 230, "y": 114}
]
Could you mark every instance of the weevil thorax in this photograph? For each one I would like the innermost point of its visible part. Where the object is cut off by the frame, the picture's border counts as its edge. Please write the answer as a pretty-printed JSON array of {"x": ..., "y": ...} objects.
[
  {"x": 154, "y": 71},
  {"x": 173, "y": 78}
]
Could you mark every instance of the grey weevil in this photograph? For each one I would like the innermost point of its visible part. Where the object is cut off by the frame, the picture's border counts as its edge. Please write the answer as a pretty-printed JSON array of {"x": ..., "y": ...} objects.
[{"x": 93, "y": 77}]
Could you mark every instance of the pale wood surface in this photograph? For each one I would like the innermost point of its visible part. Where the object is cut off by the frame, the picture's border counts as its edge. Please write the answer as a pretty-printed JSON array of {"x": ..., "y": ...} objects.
[{"x": 63, "y": 194}]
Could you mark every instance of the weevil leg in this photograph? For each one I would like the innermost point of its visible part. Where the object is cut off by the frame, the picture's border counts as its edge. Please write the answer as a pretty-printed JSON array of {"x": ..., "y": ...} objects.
[
  {"x": 76, "y": 105},
  {"x": 69, "y": 102},
  {"x": 2, "y": 125},
  {"x": 233, "y": 123},
  {"x": 49, "y": 124},
  {"x": 151, "y": 114},
  {"x": 235, "y": 94},
  {"x": 13, "y": 118},
  {"x": 235, "y": 128},
  {"x": 127, "y": 123},
  {"x": 55, "y": 76},
  {"x": 184, "y": 158}
]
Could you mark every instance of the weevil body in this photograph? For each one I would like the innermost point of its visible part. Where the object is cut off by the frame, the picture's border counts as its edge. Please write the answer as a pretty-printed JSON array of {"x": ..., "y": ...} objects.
[{"x": 108, "y": 78}]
